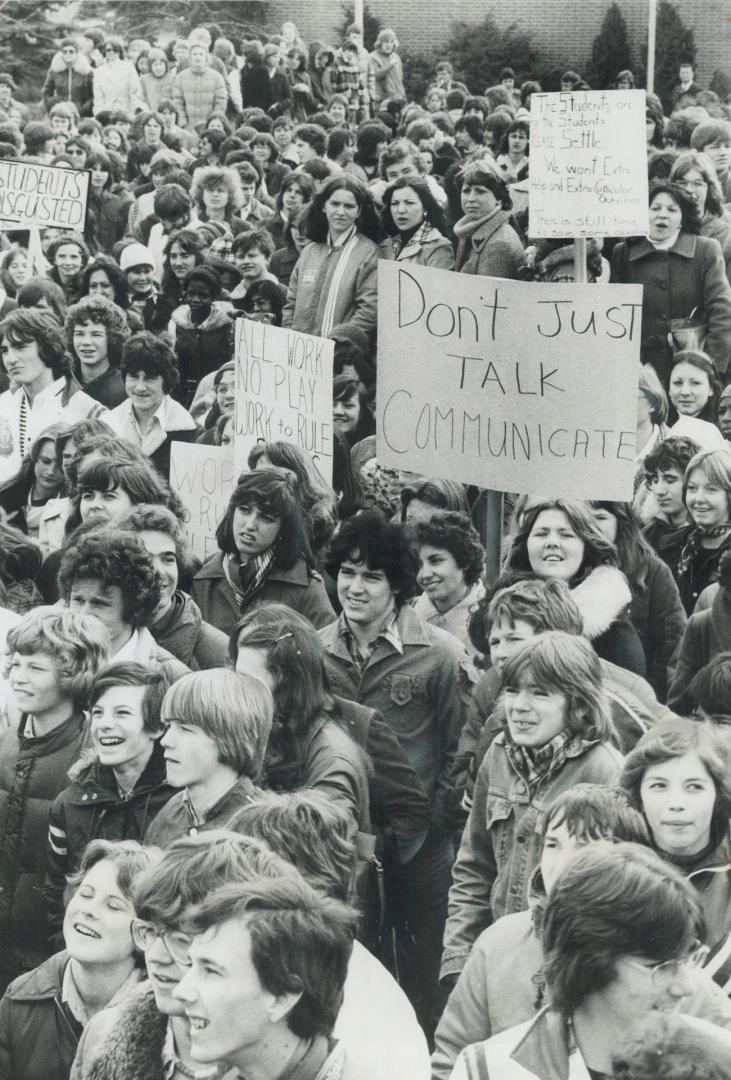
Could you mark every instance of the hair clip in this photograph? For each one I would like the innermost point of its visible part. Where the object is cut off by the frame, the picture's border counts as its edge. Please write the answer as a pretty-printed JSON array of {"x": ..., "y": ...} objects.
[{"x": 283, "y": 636}]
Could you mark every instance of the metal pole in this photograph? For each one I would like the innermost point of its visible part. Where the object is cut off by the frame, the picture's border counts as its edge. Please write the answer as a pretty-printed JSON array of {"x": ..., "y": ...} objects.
[
  {"x": 651, "y": 28},
  {"x": 358, "y": 15},
  {"x": 490, "y": 528},
  {"x": 580, "y": 275}
]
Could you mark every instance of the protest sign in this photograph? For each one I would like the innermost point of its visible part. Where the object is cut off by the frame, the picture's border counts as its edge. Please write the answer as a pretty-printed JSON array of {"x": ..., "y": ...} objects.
[
  {"x": 283, "y": 391},
  {"x": 528, "y": 388},
  {"x": 203, "y": 477},
  {"x": 46, "y": 196},
  {"x": 588, "y": 164}
]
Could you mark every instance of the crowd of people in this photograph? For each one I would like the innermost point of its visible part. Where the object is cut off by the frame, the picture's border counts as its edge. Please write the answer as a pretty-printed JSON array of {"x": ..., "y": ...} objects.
[{"x": 334, "y": 803}]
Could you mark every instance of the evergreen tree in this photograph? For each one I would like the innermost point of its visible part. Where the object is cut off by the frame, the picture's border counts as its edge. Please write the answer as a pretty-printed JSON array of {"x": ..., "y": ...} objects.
[
  {"x": 371, "y": 24},
  {"x": 27, "y": 43},
  {"x": 611, "y": 51},
  {"x": 479, "y": 51},
  {"x": 674, "y": 43}
]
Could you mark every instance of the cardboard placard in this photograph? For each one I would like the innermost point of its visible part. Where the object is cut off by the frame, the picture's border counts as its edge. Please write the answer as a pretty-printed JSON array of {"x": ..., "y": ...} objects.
[
  {"x": 588, "y": 164},
  {"x": 46, "y": 196},
  {"x": 284, "y": 392},
  {"x": 203, "y": 477},
  {"x": 528, "y": 388}
]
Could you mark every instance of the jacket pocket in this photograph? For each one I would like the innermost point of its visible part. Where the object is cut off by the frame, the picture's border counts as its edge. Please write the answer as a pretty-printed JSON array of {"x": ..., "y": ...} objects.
[
  {"x": 499, "y": 812},
  {"x": 403, "y": 702}
]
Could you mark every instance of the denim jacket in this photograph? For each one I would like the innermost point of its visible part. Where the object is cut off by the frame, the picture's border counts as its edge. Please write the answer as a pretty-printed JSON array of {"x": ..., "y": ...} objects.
[
  {"x": 501, "y": 845},
  {"x": 421, "y": 692}
]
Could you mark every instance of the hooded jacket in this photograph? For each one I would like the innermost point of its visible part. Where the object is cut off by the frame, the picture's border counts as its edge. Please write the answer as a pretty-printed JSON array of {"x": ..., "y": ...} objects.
[
  {"x": 38, "y": 1038},
  {"x": 32, "y": 773},
  {"x": 91, "y": 808},
  {"x": 603, "y": 598},
  {"x": 201, "y": 349},
  {"x": 183, "y": 631},
  {"x": 74, "y": 84}
]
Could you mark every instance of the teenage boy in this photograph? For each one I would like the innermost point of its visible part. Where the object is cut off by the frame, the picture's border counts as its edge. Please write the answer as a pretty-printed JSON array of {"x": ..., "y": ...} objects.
[
  {"x": 686, "y": 88},
  {"x": 502, "y": 983},
  {"x": 381, "y": 654},
  {"x": 138, "y": 263},
  {"x": 117, "y": 787},
  {"x": 252, "y": 252},
  {"x": 109, "y": 574},
  {"x": 148, "y": 1035},
  {"x": 280, "y": 953},
  {"x": 217, "y": 725},
  {"x": 664, "y": 468}
]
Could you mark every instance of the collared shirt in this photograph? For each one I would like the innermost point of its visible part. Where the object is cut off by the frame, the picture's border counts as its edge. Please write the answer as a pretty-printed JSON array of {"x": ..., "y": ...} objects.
[
  {"x": 71, "y": 998},
  {"x": 196, "y": 819},
  {"x": 169, "y": 416},
  {"x": 170, "y": 1060},
  {"x": 340, "y": 241},
  {"x": 129, "y": 649},
  {"x": 388, "y": 632}
]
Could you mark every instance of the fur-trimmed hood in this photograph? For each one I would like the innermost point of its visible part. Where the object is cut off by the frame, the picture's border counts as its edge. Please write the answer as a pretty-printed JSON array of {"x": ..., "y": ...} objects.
[
  {"x": 81, "y": 64},
  {"x": 602, "y": 597}
]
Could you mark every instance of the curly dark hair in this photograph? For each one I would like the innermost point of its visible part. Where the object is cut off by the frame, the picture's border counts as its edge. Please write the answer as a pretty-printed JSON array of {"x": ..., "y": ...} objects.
[
  {"x": 689, "y": 217},
  {"x": 115, "y": 275},
  {"x": 98, "y": 309},
  {"x": 115, "y": 559},
  {"x": 432, "y": 210},
  {"x": 370, "y": 538},
  {"x": 456, "y": 534}
]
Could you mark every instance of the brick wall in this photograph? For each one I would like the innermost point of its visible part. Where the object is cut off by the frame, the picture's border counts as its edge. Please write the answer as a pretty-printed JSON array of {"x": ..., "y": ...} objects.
[{"x": 562, "y": 30}]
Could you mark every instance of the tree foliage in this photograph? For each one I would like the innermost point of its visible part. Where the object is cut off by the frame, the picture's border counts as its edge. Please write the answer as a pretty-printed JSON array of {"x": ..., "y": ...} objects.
[
  {"x": 479, "y": 51},
  {"x": 158, "y": 19},
  {"x": 29, "y": 30},
  {"x": 371, "y": 24},
  {"x": 611, "y": 51},
  {"x": 674, "y": 43}
]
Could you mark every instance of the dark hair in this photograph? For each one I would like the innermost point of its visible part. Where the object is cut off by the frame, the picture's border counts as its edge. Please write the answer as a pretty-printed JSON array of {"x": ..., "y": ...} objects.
[
  {"x": 710, "y": 687},
  {"x": 35, "y": 135},
  {"x": 381, "y": 545},
  {"x": 42, "y": 288},
  {"x": 115, "y": 275},
  {"x": 315, "y": 226},
  {"x": 308, "y": 829},
  {"x": 635, "y": 557},
  {"x": 432, "y": 210},
  {"x": 675, "y": 452},
  {"x": 345, "y": 388},
  {"x": 678, "y": 130},
  {"x": 24, "y": 326},
  {"x": 596, "y": 812},
  {"x": 135, "y": 476},
  {"x": 114, "y": 559},
  {"x": 455, "y": 533},
  {"x": 65, "y": 238},
  {"x": 612, "y": 901},
  {"x": 689, "y": 218},
  {"x": 148, "y": 352},
  {"x": 517, "y": 125},
  {"x": 301, "y": 943},
  {"x": 704, "y": 363},
  {"x": 295, "y": 179},
  {"x": 20, "y": 556},
  {"x": 597, "y": 550},
  {"x": 172, "y": 201},
  {"x": 295, "y": 658},
  {"x": 673, "y": 738},
  {"x": 484, "y": 173},
  {"x": 314, "y": 135},
  {"x": 267, "y": 290},
  {"x": 98, "y": 309},
  {"x": 207, "y": 276},
  {"x": 257, "y": 238},
  {"x": 273, "y": 491},
  {"x": 190, "y": 242},
  {"x": 130, "y": 673},
  {"x": 474, "y": 127}
]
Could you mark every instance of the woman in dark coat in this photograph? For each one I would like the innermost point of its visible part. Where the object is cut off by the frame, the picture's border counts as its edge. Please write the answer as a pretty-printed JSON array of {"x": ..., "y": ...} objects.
[
  {"x": 682, "y": 272},
  {"x": 264, "y": 556}
]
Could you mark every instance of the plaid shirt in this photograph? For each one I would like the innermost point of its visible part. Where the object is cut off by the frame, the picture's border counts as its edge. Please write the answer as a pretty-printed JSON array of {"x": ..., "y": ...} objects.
[{"x": 361, "y": 656}]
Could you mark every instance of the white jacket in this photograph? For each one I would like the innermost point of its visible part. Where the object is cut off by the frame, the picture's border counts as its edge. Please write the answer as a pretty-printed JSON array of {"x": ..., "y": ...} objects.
[{"x": 117, "y": 86}]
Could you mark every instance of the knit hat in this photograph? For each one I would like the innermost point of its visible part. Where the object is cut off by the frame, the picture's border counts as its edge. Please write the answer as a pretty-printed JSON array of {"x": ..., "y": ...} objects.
[{"x": 136, "y": 255}]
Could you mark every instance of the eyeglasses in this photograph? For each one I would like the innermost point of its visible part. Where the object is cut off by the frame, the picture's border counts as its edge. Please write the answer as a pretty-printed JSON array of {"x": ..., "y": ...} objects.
[
  {"x": 145, "y": 934},
  {"x": 662, "y": 974},
  {"x": 692, "y": 185}
]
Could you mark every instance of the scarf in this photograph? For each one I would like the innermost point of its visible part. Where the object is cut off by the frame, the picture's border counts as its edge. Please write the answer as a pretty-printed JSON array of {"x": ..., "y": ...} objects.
[
  {"x": 251, "y": 575},
  {"x": 416, "y": 235},
  {"x": 537, "y": 766},
  {"x": 693, "y": 545},
  {"x": 466, "y": 227}
]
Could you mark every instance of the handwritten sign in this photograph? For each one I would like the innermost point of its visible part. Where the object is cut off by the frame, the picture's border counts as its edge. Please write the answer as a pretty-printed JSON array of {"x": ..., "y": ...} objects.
[
  {"x": 528, "y": 388},
  {"x": 203, "y": 477},
  {"x": 588, "y": 164},
  {"x": 283, "y": 392},
  {"x": 43, "y": 195}
]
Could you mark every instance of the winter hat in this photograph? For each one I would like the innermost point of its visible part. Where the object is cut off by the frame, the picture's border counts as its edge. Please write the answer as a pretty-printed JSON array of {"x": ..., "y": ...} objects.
[{"x": 136, "y": 255}]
